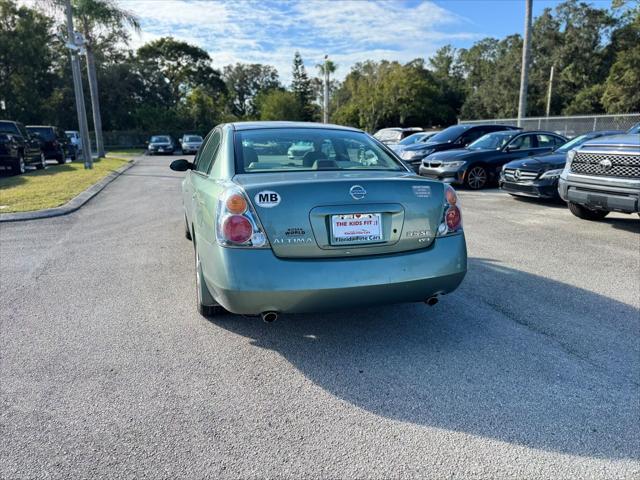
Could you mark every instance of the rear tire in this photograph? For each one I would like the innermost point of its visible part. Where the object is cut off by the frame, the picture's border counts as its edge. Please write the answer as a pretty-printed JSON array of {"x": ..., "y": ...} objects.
[
  {"x": 586, "y": 213},
  {"x": 207, "y": 306},
  {"x": 43, "y": 162},
  {"x": 19, "y": 166},
  {"x": 476, "y": 177},
  {"x": 187, "y": 232}
]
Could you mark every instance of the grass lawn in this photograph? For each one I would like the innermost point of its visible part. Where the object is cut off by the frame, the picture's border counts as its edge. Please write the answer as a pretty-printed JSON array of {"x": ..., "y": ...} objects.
[
  {"x": 129, "y": 152},
  {"x": 38, "y": 189}
]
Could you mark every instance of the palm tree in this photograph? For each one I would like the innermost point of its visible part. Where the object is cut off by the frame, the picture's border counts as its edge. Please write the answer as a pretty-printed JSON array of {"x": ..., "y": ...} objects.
[
  {"x": 94, "y": 16},
  {"x": 326, "y": 68}
]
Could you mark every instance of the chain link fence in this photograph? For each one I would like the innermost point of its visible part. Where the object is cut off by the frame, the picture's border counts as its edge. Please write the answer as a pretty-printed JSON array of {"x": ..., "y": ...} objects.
[
  {"x": 137, "y": 139},
  {"x": 568, "y": 126}
]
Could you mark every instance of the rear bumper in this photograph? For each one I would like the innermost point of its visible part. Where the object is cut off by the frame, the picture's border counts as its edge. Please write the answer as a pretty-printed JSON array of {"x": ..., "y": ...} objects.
[
  {"x": 254, "y": 281},
  {"x": 611, "y": 195},
  {"x": 536, "y": 189}
]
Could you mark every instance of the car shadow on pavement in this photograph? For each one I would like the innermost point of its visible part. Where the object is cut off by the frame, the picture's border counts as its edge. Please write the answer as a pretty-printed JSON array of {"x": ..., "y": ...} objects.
[
  {"x": 511, "y": 356},
  {"x": 629, "y": 224}
]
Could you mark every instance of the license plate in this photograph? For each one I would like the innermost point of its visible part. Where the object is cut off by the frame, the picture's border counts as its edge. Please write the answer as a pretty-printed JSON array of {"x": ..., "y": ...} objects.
[
  {"x": 356, "y": 228},
  {"x": 161, "y": 149}
]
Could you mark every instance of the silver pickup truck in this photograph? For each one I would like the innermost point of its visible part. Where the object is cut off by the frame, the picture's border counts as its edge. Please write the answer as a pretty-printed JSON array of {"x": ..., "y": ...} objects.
[{"x": 601, "y": 176}]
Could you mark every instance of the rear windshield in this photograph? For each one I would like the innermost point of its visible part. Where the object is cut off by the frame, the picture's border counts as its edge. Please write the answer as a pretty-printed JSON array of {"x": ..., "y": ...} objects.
[
  {"x": 192, "y": 138},
  {"x": 160, "y": 139},
  {"x": 448, "y": 135},
  {"x": 305, "y": 149},
  {"x": 44, "y": 133}
]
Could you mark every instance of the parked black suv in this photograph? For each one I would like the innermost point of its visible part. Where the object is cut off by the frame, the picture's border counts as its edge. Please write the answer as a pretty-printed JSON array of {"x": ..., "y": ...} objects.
[
  {"x": 53, "y": 142},
  {"x": 456, "y": 136},
  {"x": 19, "y": 148}
]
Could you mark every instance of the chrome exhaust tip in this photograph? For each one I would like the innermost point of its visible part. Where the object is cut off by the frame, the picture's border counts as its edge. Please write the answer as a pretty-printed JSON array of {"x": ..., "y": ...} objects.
[
  {"x": 431, "y": 301},
  {"x": 269, "y": 317}
]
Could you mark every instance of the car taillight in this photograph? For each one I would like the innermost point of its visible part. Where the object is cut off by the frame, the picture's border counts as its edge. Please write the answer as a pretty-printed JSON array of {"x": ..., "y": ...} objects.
[
  {"x": 237, "y": 229},
  {"x": 452, "y": 218},
  {"x": 237, "y": 223}
]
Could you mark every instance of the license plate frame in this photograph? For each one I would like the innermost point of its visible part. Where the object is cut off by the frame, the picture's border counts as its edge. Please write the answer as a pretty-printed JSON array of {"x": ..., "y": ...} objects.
[{"x": 356, "y": 229}]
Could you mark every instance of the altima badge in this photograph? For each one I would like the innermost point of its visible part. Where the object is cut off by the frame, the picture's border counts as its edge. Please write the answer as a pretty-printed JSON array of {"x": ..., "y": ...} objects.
[{"x": 357, "y": 192}]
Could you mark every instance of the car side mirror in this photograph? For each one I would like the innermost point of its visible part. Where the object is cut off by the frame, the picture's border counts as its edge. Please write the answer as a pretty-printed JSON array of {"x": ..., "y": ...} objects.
[{"x": 181, "y": 165}]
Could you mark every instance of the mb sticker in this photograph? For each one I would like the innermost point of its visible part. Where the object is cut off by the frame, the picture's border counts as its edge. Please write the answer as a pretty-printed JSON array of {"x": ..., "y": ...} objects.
[{"x": 267, "y": 199}]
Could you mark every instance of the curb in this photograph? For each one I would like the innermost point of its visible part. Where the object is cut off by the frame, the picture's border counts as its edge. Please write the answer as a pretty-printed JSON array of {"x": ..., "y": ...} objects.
[{"x": 72, "y": 205}]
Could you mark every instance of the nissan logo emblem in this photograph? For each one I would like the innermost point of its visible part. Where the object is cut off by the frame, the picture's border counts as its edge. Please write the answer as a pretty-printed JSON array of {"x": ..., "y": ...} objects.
[
  {"x": 357, "y": 192},
  {"x": 605, "y": 165}
]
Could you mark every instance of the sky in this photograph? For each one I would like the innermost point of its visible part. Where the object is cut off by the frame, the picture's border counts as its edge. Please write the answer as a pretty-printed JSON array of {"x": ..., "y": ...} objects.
[{"x": 348, "y": 31}]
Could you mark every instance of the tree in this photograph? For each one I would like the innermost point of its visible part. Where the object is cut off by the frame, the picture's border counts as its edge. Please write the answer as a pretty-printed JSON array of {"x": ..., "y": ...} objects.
[
  {"x": 302, "y": 88},
  {"x": 201, "y": 110},
  {"x": 279, "y": 105},
  {"x": 325, "y": 69},
  {"x": 621, "y": 88},
  {"x": 182, "y": 66},
  {"x": 447, "y": 73},
  {"x": 99, "y": 18},
  {"x": 492, "y": 71},
  {"x": 244, "y": 82},
  {"x": 581, "y": 57},
  {"x": 26, "y": 61}
]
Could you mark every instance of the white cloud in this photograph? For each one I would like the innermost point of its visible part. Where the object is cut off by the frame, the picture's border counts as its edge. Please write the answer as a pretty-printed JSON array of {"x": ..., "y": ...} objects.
[{"x": 270, "y": 31}]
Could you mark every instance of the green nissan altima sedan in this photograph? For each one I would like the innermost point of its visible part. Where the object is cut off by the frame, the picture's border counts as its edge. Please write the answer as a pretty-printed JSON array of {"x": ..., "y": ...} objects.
[{"x": 346, "y": 225}]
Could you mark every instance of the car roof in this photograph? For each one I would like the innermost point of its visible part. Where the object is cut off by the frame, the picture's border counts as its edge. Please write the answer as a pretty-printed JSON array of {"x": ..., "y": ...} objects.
[
  {"x": 40, "y": 126},
  {"x": 240, "y": 126},
  {"x": 484, "y": 125}
]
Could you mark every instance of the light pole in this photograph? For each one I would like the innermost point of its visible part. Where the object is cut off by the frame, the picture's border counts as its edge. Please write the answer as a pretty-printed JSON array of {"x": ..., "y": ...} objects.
[
  {"x": 549, "y": 91},
  {"x": 74, "y": 49},
  {"x": 325, "y": 112},
  {"x": 524, "y": 73}
]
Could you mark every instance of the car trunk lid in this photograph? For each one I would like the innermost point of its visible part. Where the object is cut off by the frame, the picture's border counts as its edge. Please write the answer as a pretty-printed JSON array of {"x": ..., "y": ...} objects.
[{"x": 332, "y": 214}]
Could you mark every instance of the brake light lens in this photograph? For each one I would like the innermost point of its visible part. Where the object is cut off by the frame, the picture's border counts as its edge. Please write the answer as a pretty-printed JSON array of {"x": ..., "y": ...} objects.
[
  {"x": 452, "y": 217},
  {"x": 237, "y": 224},
  {"x": 237, "y": 229}
]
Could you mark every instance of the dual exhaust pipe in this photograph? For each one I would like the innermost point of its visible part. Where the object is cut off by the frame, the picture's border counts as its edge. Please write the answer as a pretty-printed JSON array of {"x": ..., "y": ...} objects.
[{"x": 270, "y": 317}]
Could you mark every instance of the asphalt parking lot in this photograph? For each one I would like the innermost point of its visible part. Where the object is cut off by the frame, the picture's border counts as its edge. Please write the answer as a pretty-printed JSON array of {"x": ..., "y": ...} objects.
[{"x": 530, "y": 370}]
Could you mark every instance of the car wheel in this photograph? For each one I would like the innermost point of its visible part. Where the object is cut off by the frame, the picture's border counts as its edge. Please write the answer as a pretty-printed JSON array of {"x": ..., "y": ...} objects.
[
  {"x": 207, "y": 306},
  {"x": 19, "y": 167},
  {"x": 476, "y": 178},
  {"x": 62, "y": 159},
  {"x": 585, "y": 213},
  {"x": 43, "y": 162},
  {"x": 187, "y": 232}
]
